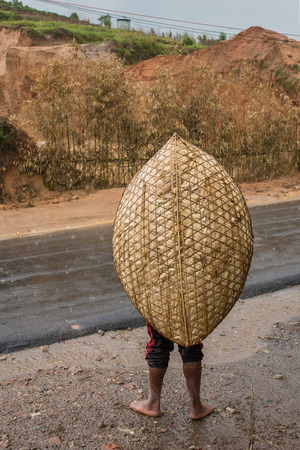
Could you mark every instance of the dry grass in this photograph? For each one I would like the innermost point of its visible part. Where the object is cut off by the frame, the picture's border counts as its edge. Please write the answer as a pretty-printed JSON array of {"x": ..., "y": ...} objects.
[{"x": 99, "y": 129}]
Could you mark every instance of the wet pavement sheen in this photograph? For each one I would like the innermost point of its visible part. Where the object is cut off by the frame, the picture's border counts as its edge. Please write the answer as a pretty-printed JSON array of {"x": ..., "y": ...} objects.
[{"x": 53, "y": 281}]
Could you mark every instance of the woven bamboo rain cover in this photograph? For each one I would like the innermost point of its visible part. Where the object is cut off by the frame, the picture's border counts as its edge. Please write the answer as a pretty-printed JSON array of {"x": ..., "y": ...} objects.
[{"x": 182, "y": 242}]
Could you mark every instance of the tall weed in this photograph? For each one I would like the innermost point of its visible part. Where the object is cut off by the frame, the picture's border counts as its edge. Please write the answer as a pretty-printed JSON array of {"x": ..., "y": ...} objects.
[{"x": 100, "y": 129}]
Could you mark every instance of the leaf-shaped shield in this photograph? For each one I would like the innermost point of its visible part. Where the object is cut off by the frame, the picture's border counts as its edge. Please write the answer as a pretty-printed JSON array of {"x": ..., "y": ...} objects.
[{"x": 182, "y": 242}]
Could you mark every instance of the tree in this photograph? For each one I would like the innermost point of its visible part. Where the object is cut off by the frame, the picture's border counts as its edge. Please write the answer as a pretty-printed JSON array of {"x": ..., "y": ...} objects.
[
  {"x": 222, "y": 36},
  {"x": 105, "y": 21},
  {"x": 74, "y": 17},
  {"x": 187, "y": 40},
  {"x": 202, "y": 39}
]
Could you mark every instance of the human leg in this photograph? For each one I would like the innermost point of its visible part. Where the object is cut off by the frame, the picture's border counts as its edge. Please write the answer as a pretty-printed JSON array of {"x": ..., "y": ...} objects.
[
  {"x": 192, "y": 373},
  {"x": 151, "y": 406},
  {"x": 192, "y": 368},
  {"x": 157, "y": 357}
]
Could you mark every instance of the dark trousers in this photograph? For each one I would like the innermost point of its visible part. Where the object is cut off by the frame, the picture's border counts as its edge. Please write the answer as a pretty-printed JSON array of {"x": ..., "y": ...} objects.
[{"x": 159, "y": 348}]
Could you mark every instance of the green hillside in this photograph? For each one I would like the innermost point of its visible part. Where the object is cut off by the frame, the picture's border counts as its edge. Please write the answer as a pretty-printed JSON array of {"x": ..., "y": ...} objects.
[{"x": 132, "y": 46}]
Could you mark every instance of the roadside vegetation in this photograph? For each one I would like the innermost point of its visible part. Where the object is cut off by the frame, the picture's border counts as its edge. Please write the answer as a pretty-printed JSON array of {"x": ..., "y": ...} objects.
[
  {"x": 99, "y": 129},
  {"x": 132, "y": 46}
]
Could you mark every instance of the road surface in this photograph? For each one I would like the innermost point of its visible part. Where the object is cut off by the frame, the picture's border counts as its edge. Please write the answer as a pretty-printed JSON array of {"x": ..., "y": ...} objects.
[{"x": 62, "y": 285}]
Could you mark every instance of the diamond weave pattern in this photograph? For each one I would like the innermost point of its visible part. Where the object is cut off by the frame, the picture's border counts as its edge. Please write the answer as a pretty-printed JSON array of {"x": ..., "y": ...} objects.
[{"x": 182, "y": 242}]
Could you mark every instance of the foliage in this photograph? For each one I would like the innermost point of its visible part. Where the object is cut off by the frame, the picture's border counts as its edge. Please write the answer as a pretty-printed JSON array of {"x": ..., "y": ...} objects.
[
  {"x": 99, "y": 128},
  {"x": 245, "y": 120},
  {"x": 222, "y": 36},
  {"x": 13, "y": 141},
  {"x": 74, "y": 17},
  {"x": 187, "y": 40},
  {"x": 84, "y": 110},
  {"x": 205, "y": 41},
  {"x": 105, "y": 20},
  {"x": 7, "y": 135},
  {"x": 9, "y": 16},
  {"x": 16, "y": 5},
  {"x": 131, "y": 46},
  {"x": 288, "y": 83}
]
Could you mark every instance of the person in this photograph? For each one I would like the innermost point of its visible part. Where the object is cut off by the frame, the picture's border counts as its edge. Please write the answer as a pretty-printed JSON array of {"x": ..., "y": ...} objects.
[{"x": 157, "y": 357}]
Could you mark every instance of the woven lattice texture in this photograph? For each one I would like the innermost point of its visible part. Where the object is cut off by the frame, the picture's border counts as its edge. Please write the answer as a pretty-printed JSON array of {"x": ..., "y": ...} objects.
[{"x": 182, "y": 242}]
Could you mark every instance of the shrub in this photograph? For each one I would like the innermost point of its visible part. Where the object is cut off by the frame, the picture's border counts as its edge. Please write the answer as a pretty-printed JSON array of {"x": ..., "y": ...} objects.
[
  {"x": 74, "y": 17},
  {"x": 99, "y": 129},
  {"x": 105, "y": 21},
  {"x": 187, "y": 40},
  {"x": 84, "y": 110}
]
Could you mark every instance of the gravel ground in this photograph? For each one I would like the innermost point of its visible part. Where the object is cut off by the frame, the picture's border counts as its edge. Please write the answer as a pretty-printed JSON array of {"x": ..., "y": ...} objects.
[{"x": 85, "y": 404}]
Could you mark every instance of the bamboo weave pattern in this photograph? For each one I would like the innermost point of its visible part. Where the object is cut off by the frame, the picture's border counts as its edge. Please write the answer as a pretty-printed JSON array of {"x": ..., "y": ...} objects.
[{"x": 182, "y": 242}]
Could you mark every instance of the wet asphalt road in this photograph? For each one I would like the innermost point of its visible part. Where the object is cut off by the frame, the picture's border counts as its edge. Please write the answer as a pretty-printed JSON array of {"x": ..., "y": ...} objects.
[{"x": 62, "y": 285}]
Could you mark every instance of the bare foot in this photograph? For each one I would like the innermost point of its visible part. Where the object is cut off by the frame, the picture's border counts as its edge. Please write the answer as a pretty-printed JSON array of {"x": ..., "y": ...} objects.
[
  {"x": 144, "y": 407},
  {"x": 200, "y": 413}
]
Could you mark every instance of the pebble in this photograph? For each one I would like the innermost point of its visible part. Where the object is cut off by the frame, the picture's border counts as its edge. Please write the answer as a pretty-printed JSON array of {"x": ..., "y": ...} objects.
[{"x": 102, "y": 424}]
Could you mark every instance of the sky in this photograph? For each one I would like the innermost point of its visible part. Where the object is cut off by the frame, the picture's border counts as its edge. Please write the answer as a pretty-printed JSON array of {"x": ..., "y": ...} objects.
[{"x": 226, "y": 16}]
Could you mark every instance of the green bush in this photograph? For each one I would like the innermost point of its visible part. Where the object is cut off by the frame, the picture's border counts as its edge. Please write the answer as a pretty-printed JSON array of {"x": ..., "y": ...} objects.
[
  {"x": 187, "y": 40},
  {"x": 74, "y": 17}
]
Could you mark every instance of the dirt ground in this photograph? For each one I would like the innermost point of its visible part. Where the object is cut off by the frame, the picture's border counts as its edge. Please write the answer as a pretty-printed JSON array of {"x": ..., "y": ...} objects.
[
  {"x": 255, "y": 45},
  {"x": 75, "y": 394},
  {"x": 39, "y": 210}
]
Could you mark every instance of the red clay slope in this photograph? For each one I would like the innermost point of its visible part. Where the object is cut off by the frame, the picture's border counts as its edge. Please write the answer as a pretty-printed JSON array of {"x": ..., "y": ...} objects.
[{"x": 264, "y": 48}]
